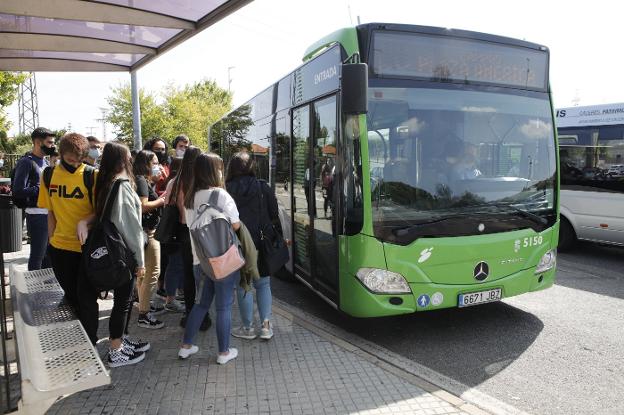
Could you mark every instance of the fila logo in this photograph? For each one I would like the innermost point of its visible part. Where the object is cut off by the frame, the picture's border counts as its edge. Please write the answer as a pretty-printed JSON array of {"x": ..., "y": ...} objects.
[
  {"x": 99, "y": 253},
  {"x": 61, "y": 190}
]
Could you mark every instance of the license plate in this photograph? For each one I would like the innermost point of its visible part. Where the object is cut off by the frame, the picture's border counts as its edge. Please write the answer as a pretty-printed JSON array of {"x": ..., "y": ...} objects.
[{"x": 466, "y": 300}]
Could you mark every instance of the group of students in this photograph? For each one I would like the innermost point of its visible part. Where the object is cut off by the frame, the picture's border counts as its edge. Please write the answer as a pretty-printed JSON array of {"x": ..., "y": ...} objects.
[{"x": 63, "y": 201}]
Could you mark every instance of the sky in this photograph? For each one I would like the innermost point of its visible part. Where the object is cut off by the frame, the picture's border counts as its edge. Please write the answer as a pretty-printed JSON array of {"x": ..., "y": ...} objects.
[{"x": 266, "y": 39}]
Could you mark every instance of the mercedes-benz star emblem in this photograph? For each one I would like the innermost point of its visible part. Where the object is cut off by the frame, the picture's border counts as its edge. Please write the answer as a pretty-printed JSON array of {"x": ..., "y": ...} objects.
[{"x": 481, "y": 271}]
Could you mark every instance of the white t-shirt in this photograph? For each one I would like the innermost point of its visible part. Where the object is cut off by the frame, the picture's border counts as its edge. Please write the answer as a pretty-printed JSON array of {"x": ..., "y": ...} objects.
[{"x": 224, "y": 202}]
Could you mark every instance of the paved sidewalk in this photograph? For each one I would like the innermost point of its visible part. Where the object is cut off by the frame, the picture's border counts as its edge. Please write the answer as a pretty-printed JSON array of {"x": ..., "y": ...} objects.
[{"x": 300, "y": 371}]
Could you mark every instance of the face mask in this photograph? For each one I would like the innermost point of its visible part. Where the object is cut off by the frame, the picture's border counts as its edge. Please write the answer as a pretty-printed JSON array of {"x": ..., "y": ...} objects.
[
  {"x": 180, "y": 152},
  {"x": 94, "y": 153},
  {"x": 155, "y": 171},
  {"x": 162, "y": 156},
  {"x": 48, "y": 151},
  {"x": 1, "y": 163},
  {"x": 68, "y": 166}
]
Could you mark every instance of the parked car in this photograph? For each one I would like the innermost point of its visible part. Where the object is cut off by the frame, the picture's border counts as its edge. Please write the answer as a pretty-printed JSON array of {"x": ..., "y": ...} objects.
[{"x": 616, "y": 170}]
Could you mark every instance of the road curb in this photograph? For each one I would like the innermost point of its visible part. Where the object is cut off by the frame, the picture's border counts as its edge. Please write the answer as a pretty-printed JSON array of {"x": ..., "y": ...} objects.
[{"x": 461, "y": 396}]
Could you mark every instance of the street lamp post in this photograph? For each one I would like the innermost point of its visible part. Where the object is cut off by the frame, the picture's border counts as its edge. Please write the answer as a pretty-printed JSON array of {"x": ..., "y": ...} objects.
[{"x": 230, "y": 77}]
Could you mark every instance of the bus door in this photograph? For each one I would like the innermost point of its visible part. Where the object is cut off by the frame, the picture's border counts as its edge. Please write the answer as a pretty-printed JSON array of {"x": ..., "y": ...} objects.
[{"x": 314, "y": 157}]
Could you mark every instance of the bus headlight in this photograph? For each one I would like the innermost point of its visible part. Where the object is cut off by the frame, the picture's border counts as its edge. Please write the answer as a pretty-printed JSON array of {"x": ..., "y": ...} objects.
[
  {"x": 548, "y": 261},
  {"x": 382, "y": 281}
]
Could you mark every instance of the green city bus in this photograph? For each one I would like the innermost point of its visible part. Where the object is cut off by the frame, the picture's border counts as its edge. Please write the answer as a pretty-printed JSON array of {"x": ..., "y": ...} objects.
[{"x": 415, "y": 167}]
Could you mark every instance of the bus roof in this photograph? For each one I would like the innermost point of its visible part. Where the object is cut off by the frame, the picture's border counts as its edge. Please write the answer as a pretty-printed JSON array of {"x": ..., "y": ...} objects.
[{"x": 607, "y": 114}]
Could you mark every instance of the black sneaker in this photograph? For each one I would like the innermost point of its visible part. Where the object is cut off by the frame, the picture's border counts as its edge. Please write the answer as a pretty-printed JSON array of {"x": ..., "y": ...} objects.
[
  {"x": 136, "y": 345},
  {"x": 205, "y": 325},
  {"x": 157, "y": 309},
  {"x": 124, "y": 357},
  {"x": 147, "y": 321}
]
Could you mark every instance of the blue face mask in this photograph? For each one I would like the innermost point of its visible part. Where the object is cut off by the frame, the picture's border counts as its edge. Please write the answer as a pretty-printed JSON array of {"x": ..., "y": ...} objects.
[
  {"x": 155, "y": 171},
  {"x": 94, "y": 153}
]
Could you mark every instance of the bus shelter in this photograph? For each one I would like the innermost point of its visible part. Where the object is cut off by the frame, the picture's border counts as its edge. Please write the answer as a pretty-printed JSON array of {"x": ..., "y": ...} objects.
[{"x": 101, "y": 35}]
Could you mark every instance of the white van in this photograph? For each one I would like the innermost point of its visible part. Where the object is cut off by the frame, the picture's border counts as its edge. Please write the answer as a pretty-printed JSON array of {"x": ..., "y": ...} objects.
[{"x": 591, "y": 157}]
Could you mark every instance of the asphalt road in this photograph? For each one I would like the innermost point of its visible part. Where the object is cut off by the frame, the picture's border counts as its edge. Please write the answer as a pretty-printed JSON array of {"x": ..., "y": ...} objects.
[{"x": 558, "y": 351}]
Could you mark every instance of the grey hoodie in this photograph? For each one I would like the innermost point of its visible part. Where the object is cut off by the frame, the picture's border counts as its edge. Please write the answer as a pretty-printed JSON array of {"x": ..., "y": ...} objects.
[{"x": 126, "y": 216}]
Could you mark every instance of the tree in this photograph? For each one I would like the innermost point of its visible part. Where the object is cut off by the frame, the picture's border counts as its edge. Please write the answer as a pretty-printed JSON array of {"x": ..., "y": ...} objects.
[
  {"x": 120, "y": 114},
  {"x": 9, "y": 82},
  {"x": 186, "y": 110},
  {"x": 192, "y": 109}
]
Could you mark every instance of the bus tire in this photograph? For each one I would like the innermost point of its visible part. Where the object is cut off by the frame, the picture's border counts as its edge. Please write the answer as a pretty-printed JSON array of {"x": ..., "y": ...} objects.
[{"x": 567, "y": 236}]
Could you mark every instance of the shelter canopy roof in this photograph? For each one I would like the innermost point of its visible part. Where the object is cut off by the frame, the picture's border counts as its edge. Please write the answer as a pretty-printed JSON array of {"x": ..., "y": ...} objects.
[{"x": 99, "y": 35}]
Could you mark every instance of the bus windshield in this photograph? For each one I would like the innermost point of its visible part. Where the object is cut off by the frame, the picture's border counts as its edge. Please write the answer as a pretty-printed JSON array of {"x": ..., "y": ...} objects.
[{"x": 451, "y": 162}]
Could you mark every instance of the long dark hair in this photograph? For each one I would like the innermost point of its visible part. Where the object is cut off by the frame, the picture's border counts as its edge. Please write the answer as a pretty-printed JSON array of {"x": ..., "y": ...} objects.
[
  {"x": 207, "y": 173},
  {"x": 185, "y": 174},
  {"x": 115, "y": 160},
  {"x": 141, "y": 166},
  {"x": 241, "y": 164}
]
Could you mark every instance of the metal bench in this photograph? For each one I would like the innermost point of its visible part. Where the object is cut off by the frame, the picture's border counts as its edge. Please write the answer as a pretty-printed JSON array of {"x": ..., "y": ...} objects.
[{"x": 55, "y": 356}]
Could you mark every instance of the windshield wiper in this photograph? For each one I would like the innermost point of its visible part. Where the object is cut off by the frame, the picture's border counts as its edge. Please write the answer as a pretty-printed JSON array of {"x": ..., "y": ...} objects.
[
  {"x": 530, "y": 215},
  {"x": 404, "y": 230}
]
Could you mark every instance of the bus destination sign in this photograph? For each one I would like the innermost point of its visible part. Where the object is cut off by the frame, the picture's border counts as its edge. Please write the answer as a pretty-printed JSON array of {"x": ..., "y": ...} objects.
[{"x": 448, "y": 59}]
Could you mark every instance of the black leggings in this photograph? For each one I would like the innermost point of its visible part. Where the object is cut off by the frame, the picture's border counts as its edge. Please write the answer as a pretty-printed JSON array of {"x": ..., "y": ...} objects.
[
  {"x": 184, "y": 237},
  {"x": 122, "y": 308}
]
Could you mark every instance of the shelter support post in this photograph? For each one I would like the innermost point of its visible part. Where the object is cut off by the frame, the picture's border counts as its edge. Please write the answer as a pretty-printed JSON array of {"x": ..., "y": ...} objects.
[{"x": 136, "y": 111}]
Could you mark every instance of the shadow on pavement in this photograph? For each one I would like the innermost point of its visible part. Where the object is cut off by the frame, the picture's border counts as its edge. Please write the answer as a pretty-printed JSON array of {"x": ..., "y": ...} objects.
[
  {"x": 594, "y": 268},
  {"x": 468, "y": 345}
]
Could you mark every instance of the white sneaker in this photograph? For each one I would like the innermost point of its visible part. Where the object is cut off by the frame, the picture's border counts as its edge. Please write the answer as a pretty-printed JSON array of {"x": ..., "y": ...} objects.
[
  {"x": 266, "y": 333},
  {"x": 175, "y": 307},
  {"x": 223, "y": 359},
  {"x": 244, "y": 333},
  {"x": 185, "y": 353}
]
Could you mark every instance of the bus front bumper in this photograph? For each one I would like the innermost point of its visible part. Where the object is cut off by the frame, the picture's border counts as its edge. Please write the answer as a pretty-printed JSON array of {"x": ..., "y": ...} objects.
[{"x": 431, "y": 296}]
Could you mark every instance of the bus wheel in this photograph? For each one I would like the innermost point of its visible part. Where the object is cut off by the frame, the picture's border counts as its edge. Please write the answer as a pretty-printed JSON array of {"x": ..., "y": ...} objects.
[{"x": 567, "y": 236}]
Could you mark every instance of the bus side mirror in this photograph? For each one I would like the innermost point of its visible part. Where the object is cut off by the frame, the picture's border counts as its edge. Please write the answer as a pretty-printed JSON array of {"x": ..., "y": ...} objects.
[{"x": 354, "y": 86}]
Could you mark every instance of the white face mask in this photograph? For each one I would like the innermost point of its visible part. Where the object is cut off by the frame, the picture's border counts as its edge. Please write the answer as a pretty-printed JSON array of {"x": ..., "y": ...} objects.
[
  {"x": 180, "y": 152},
  {"x": 1, "y": 163},
  {"x": 94, "y": 153}
]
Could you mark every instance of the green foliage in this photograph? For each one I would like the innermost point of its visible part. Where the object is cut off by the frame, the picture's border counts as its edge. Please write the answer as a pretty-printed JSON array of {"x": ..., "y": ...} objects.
[
  {"x": 186, "y": 110},
  {"x": 17, "y": 145},
  {"x": 120, "y": 113},
  {"x": 9, "y": 82},
  {"x": 21, "y": 143}
]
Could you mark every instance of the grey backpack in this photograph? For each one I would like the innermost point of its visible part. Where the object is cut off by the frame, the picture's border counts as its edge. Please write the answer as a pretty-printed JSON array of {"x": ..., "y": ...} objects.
[{"x": 216, "y": 244}]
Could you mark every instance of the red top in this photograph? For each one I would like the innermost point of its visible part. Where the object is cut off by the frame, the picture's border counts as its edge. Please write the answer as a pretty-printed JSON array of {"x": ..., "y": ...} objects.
[{"x": 162, "y": 183}]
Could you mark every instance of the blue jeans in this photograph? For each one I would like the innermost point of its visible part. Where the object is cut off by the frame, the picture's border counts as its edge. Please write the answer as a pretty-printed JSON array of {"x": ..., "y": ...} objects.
[
  {"x": 37, "y": 226},
  {"x": 263, "y": 297},
  {"x": 174, "y": 273},
  {"x": 206, "y": 289}
]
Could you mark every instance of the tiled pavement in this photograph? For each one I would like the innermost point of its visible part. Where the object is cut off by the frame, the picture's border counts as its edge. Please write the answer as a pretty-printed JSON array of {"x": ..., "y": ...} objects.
[{"x": 297, "y": 372}]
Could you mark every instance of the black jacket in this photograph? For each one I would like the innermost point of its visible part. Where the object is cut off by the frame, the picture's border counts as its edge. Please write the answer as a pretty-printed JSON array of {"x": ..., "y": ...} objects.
[{"x": 246, "y": 191}]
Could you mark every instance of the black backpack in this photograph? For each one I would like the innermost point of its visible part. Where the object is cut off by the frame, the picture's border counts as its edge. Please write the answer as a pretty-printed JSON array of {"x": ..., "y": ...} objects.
[
  {"x": 24, "y": 202},
  {"x": 87, "y": 179},
  {"x": 108, "y": 261}
]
